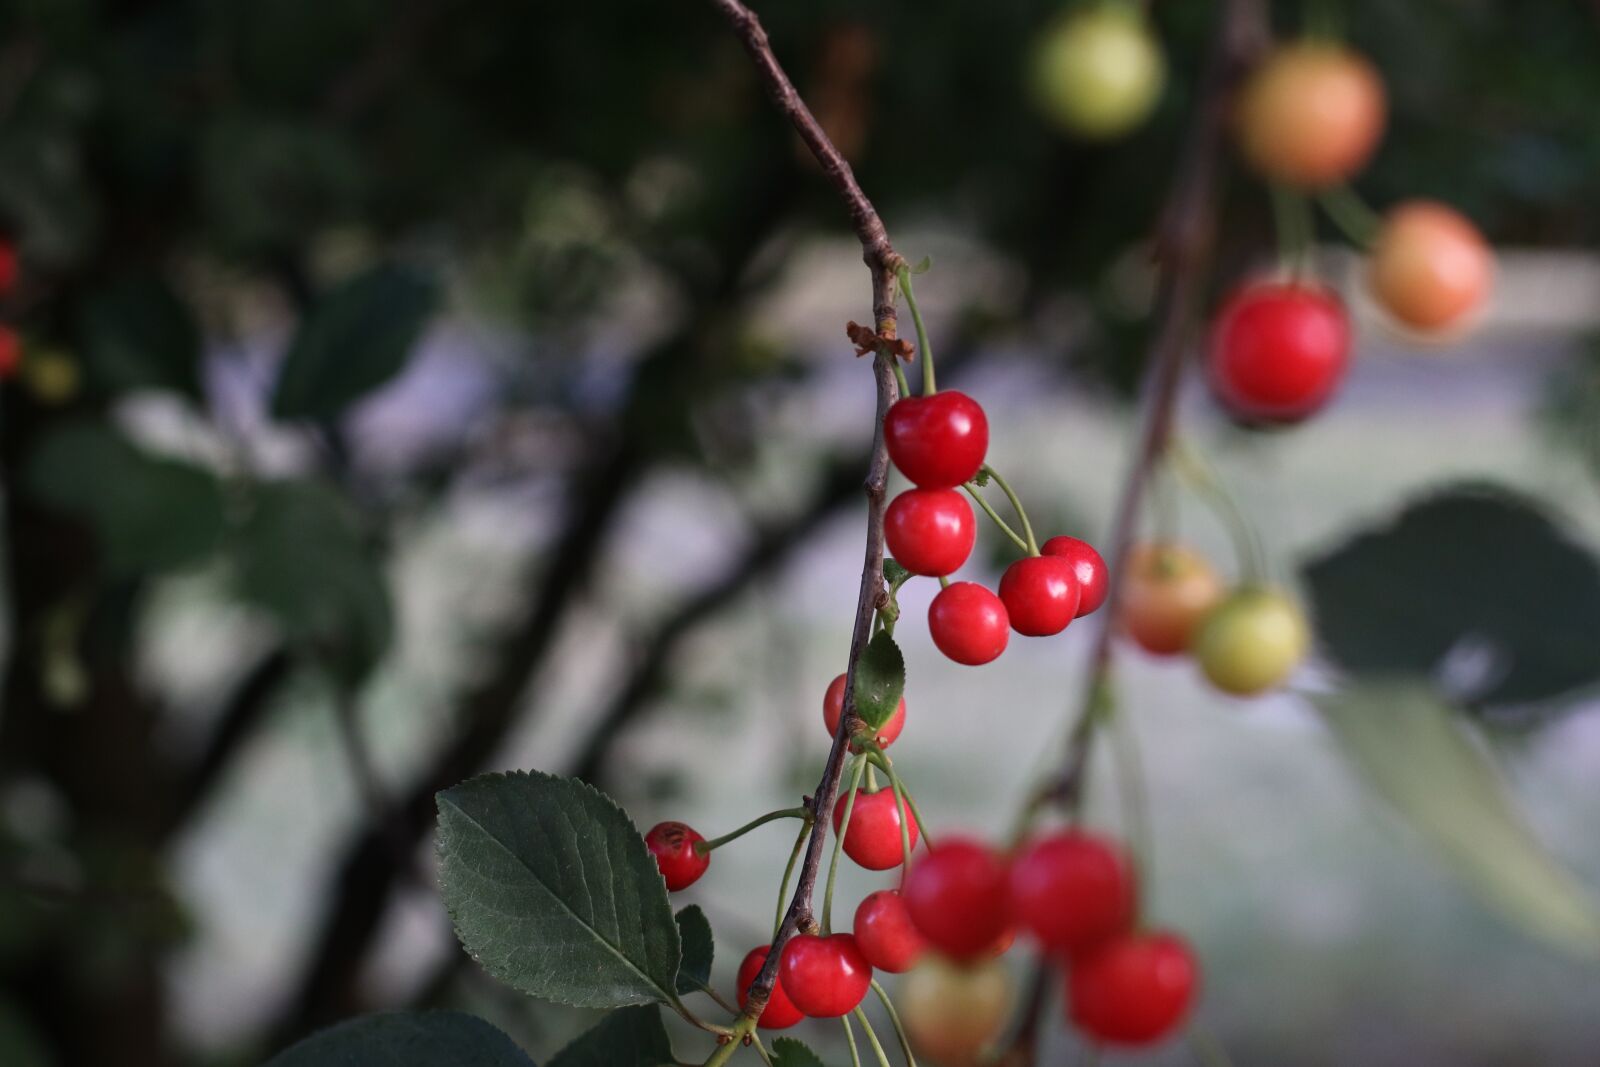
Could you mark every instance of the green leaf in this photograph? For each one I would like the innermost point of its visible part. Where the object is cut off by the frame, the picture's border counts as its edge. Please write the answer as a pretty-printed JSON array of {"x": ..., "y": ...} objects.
[
  {"x": 631, "y": 1037},
  {"x": 880, "y": 680},
  {"x": 300, "y": 556},
  {"x": 694, "y": 933},
  {"x": 1436, "y": 583},
  {"x": 355, "y": 339},
  {"x": 149, "y": 514},
  {"x": 552, "y": 890},
  {"x": 787, "y": 1052},
  {"x": 923, "y": 265},
  {"x": 895, "y": 574},
  {"x": 137, "y": 334},
  {"x": 981, "y": 479},
  {"x": 1423, "y": 760},
  {"x": 406, "y": 1039}
]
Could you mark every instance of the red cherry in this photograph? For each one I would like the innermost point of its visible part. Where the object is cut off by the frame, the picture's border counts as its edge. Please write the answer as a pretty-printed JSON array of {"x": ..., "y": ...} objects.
[
  {"x": 9, "y": 267},
  {"x": 825, "y": 977},
  {"x": 10, "y": 352},
  {"x": 873, "y": 839},
  {"x": 672, "y": 844},
  {"x": 780, "y": 1012},
  {"x": 930, "y": 531},
  {"x": 833, "y": 707},
  {"x": 885, "y": 933},
  {"x": 1073, "y": 890},
  {"x": 968, "y": 623},
  {"x": 1133, "y": 990},
  {"x": 937, "y": 441},
  {"x": 1040, "y": 594},
  {"x": 1278, "y": 351},
  {"x": 1094, "y": 580},
  {"x": 956, "y": 895}
]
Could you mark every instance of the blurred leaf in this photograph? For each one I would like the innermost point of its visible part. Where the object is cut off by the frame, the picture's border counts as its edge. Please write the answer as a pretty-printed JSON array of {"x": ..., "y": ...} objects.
[
  {"x": 269, "y": 180},
  {"x": 788, "y": 1052},
  {"x": 1570, "y": 406},
  {"x": 880, "y": 680},
  {"x": 138, "y": 334},
  {"x": 1474, "y": 573},
  {"x": 1407, "y": 743},
  {"x": 694, "y": 933},
  {"x": 149, "y": 514},
  {"x": 355, "y": 339},
  {"x": 406, "y": 1039},
  {"x": 629, "y": 1037},
  {"x": 552, "y": 891}
]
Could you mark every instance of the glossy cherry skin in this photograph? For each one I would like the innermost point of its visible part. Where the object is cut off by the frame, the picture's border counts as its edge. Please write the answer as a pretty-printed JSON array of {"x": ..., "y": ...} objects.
[
  {"x": 1073, "y": 890},
  {"x": 968, "y": 623},
  {"x": 780, "y": 1012},
  {"x": 825, "y": 977},
  {"x": 1430, "y": 267},
  {"x": 1168, "y": 591},
  {"x": 1133, "y": 990},
  {"x": 1278, "y": 351},
  {"x": 672, "y": 844},
  {"x": 873, "y": 838},
  {"x": 885, "y": 933},
  {"x": 1040, "y": 594},
  {"x": 937, "y": 441},
  {"x": 930, "y": 531},
  {"x": 833, "y": 707},
  {"x": 1094, "y": 579},
  {"x": 957, "y": 895}
]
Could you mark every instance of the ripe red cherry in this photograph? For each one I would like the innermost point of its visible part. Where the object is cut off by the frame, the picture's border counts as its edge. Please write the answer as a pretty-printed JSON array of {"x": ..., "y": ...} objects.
[
  {"x": 1278, "y": 351},
  {"x": 885, "y": 933},
  {"x": 930, "y": 531},
  {"x": 825, "y": 977},
  {"x": 8, "y": 265},
  {"x": 833, "y": 707},
  {"x": 968, "y": 623},
  {"x": 1073, "y": 890},
  {"x": 780, "y": 1012},
  {"x": 873, "y": 839},
  {"x": 937, "y": 441},
  {"x": 957, "y": 896},
  {"x": 1094, "y": 580},
  {"x": 1040, "y": 594},
  {"x": 10, "y": 352},
  {"x": 1133, "y": 990},
  {"x": 672, "y": 844}
]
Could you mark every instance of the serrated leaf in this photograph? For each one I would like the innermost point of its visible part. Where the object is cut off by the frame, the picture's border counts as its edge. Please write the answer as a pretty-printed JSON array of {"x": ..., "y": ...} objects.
[
  {"x": 788, "y": 1052},
  {"x": 355, "y": 339},
  {"x": 630, "y": 1037},
  {"x": 694, "y": 934},
  {"x": 406, "y": 1039},
  {"x": 880, "y": 680},
  {"x": 1431, "y": 591},
  {"x": 1422, "y": 758},
  {"x": 552, "y": 890},
  {"x": 150, "y": 514},
  {"x": 137, "y": 334}
]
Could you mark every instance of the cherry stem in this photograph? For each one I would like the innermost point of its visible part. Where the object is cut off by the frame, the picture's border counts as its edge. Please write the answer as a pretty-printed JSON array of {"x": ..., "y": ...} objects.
[
  {"x": 701, "y": 848},
  {"x": 838, "y": 843},
  {"x": 1296, "y": 229},
  {"x": 1032, "y": 546},
  {"x": 924, "y": 349},
  {"x": 944, "y": 581},
  {"x": 761, "y": 1050},
  {"x": 894, "y": 1021},
  {"x": 994, "y": 516},
  {"x": 788, "y": 873},
  {"x": 880, "y": 759},
  {"x": 1351, "y": 214},
  {"x": 850, "y": 1038},
  {"x": 1208, "y": 485},
  {"x": 872, "y": 1036},
  {"x": 905, "y": 824},
  {"x": 744, "y": 1027},
  {"x": 900, "y": 376}
]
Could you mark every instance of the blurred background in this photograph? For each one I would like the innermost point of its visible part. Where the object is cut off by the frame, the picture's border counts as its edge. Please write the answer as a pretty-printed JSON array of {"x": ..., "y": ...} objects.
[{"x": 410, "y": 389}]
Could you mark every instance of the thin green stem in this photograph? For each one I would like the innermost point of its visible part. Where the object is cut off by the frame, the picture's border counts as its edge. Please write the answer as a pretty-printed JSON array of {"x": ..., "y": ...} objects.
[
  {"x": 761, "y": 1050},
  {"x": 944, "y": 581},
  {"x": 872, "y": 1036},
  {"x": 877, "y": 756},
  {"x": 850, "y": 1038},
  {"x": 900, "y": 376},
  {"x": 1016, "y": 538},
  {"x": 894, "y": 1021},
  {"x": 838, "y": 843},
  {"x": 1203, "y": 478},
  {"x": 1016, "y": 505},
  {"x": 905, "y": 822},
  {"x": 1351, "y": 214},
  {"x": 772, "y": 816},
  {"x": 1206, "y": 1048},
  {"x": 788, "y": 873},
  {"x": 725, "y": 1051},
  {"x": 693, "y": 1020},
  {"x": 1292, "y": 220},
  {"x": 924, "y": 349}
]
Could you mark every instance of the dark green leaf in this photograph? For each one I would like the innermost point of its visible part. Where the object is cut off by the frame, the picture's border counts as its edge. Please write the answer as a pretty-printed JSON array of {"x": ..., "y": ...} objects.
[
  {"x": 981, "y": 479},
  {"x": 1438, "y": 580},
  {"x": 880, "y": 680},
  {"x": 787, "y": 1052},
  {"x": 355, "y": 339},
  {"x": 1407, "y": 743},
  {"x": 552, "y": 890},
  {"x": 150, "y": 514},
  {"x": 694, "y": 932},
  {"x": 137, "y": 334},
  {"x": 630, "y": 1037},
  {"x": 895, "y": 574},
  {"x": 406, "y": 1039}
]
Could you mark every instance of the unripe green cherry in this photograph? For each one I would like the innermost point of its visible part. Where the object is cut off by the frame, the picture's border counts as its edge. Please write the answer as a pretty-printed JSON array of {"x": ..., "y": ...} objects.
[
  {"x": 1252, "y": 641},
  {"x": 1098, "y": 71}
]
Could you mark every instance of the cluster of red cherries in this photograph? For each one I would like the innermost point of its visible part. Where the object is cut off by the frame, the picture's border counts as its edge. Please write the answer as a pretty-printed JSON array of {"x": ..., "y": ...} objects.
[{"x": 938, "y": 441}]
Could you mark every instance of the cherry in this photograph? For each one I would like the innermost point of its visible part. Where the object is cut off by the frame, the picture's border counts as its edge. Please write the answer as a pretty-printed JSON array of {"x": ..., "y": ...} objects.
[
  {"x": 1072, "y": 890},
  {"x": 951, "y": 1013},
  {"x": 10, "y": 353},
  {"x": 1278, "y": 351},
  {"x": 1311, "y": 114},
  {"x": 780, "y": 1012},
  {"x": 833, "y": 707},
  {"x": 885, "y": 933},
  {"x": 930, "y": 531},
  {"x": 1040, "y": 594},
  {"x": 1098, "y": 70},
  {"x": 1167, "y": 591},
  {"x": 957, "y": 896},
  {"x": 968, "y": 623},
  {"x": 937, "y": 441},
  {"x": 873, "y": 838},
  {"x": 672, "y": 844},
  {"x": 1094, "y": 580},
  {"x": 825, "y": 975},
  {"x": 1430, "y": 267},
  {"x": 1251, "y": 641},
  {"x": 1133, "y": 990}
]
